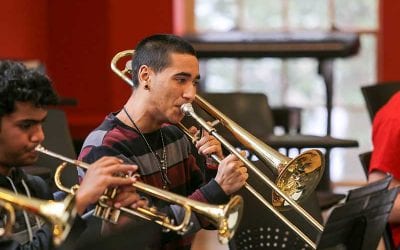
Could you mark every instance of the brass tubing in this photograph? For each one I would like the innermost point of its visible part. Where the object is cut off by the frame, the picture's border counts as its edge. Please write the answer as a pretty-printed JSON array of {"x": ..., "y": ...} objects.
[
  {"x": 60, "y": 214},
  {"x": 307, "y": 167},
  {"x": 225, "y": 217},
  {"x": 187, "y": 109}
]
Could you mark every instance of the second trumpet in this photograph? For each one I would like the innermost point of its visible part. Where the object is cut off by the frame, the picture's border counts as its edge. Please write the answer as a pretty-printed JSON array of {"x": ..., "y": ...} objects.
[{"x": 225, "y": 218}]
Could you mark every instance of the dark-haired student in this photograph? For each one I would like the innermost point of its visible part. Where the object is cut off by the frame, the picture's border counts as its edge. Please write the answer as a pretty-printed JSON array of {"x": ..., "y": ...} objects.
[
  {"x": 25, "y": 95},
  {"x": 165, "y": 74}
]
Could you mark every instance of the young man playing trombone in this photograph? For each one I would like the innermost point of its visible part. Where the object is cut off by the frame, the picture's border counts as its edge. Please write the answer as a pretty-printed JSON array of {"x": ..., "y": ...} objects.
[
  {"x": 165, "y": 73},
  {"x": 24, "y": 97}
]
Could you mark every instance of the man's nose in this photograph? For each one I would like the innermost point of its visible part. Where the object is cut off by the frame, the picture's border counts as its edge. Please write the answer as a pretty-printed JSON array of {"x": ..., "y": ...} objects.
[
  {"x": 37, "y": 134},
  {"x": 190, "y": 93}
]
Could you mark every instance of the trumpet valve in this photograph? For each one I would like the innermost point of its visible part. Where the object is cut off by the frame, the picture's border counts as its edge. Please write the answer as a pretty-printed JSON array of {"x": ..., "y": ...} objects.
[{"x": 105, "y": 212}]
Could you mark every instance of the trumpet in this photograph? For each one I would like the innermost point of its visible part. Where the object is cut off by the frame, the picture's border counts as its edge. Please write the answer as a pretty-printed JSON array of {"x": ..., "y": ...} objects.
[
  {"x": 60, "y": 214},
  {"x": 225, "y": 218},
  {"x": 296, "y": 178}
]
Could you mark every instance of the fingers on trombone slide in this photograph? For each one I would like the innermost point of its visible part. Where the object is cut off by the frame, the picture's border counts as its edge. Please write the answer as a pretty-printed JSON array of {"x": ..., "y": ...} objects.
[{"x": 195, "y": 134}]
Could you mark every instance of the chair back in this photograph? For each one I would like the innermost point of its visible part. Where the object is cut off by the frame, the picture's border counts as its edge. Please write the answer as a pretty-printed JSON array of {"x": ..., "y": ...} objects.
[
  {"x": 377, "y": 95},
  {"x": 251, "y": 111},
  {"x": 365, "y": 159}
]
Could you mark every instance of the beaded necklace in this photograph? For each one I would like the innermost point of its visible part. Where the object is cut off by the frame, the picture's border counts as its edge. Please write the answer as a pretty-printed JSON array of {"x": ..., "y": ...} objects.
[{"x": 162, "y": 161}]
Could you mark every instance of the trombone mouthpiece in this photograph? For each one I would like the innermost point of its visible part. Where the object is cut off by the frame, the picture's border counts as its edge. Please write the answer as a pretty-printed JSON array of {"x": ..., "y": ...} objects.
[
  {"x": 39, "y": 148},
  {"x": 187, "y": 108}
]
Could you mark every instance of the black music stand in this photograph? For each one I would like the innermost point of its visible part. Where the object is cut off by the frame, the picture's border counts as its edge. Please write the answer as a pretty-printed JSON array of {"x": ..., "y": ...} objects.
[
  {"x": 369, "y": 189},
  {"x": 359, "y": 223}
]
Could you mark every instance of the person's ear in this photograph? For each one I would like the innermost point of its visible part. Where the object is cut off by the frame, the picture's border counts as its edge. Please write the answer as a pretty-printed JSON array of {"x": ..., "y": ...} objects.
[{"x": 144, "y": 76}]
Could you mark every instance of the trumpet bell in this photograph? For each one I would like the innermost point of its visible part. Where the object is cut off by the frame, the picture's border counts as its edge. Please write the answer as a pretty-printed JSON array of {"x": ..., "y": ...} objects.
[
  {"x": 299, "y": 178},
  {"x": 232, "y": 215},
  {"x": 6, "y": 231},
  {"x": 62, "y": 216}
]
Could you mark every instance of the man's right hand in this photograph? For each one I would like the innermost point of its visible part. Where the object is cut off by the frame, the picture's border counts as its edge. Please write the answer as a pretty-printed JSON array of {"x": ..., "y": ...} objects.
[
  {"x": 232, "y": 174},
  {"x": 103, "y": 174}
]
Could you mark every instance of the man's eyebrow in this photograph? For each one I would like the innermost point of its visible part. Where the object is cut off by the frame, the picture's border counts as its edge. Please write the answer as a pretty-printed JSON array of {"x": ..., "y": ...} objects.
[
  {"x": 34, "y": 120},
  {"x": 183, "y": 74},
  {"x": 187, "y": 75}
]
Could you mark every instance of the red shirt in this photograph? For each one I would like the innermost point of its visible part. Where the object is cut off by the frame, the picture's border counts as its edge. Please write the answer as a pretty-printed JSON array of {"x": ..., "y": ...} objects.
[{"x": 386, "y": 142}]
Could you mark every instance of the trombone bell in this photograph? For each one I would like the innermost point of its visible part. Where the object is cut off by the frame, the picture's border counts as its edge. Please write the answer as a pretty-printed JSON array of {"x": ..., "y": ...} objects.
[
  {"x": 293, "y": 175},
  {"x": 299, "y": 177}
]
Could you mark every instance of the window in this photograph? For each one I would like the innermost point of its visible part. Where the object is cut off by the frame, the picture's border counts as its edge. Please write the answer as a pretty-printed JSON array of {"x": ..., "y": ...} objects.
[{"x": 295, "y": 82}]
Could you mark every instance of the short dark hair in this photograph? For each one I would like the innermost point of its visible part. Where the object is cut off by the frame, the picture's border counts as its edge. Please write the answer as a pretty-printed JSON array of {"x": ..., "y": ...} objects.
[
  {"x": 154, "y": 52},
  {"x": 18, "y": 83}
]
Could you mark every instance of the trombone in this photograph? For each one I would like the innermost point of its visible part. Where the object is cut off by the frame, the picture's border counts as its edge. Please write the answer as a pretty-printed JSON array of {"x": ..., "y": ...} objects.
[
  {"x": 226, "y": 217},
  {"x": 296, "y": 178},
  {"x": 60, "y": 214}
]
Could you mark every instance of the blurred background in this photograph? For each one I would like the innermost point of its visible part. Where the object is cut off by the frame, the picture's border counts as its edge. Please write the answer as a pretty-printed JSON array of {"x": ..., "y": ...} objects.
[{"x": 74, "y": 42}]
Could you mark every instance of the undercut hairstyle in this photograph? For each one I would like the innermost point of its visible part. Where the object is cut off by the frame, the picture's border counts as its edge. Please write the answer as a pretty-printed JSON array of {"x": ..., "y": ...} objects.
[
  {"x": 154, "y": 51},
  {"x": 20, "y": 84}
]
